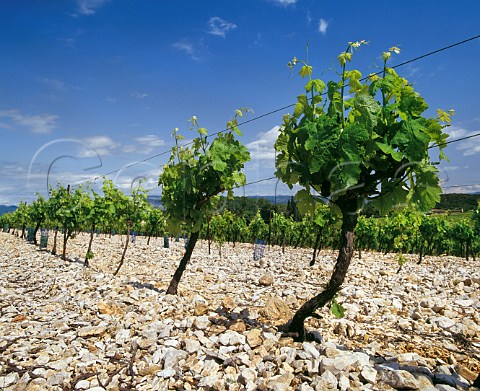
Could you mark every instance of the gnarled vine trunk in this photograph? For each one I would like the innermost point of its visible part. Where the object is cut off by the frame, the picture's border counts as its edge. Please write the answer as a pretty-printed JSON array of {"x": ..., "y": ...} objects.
[
  {"x": 124, "y": 250},
  {"x": 66, "y": 236},
  {"x": 87, "y": 255},
  {"x": 173, "y": 287},
  {"x": 35, "y": 233},
  {"x": 349, "y": 221},
  {"x": 315, "y": 247},
  {"x": 54, "y": 249}
]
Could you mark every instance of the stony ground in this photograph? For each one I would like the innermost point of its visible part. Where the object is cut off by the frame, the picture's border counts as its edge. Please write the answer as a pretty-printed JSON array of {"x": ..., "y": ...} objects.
[{"x": 65, "y": 327}]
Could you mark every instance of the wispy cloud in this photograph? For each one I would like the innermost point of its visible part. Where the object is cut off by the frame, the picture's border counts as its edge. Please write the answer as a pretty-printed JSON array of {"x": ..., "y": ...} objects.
[
  {"x": 258, "y": 40},
  {"x": 89, "y": 7},
  {"x": 140, "y": 95},
  {"x": 322, "y": 26},
  {"x": 144, "y": 144},
  {"x": 43, "y": 123},
  {"x": 220, "y": 27},
  {"x": 98, "y": 145},
  {"x": 309, "y": 17},
  {"x": 412, "y": 71},
  {"x": 188, "y": 48},
  {"x": 55, "y": 84},
  {"x": 285, "y": 3},
  {"x": 462, "y": 189},
  {"x": 470, "y": 147}
]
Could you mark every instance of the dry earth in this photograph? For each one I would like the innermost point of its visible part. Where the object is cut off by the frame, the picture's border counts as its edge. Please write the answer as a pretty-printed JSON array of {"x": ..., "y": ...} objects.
[{"x": 63, "y": 326}]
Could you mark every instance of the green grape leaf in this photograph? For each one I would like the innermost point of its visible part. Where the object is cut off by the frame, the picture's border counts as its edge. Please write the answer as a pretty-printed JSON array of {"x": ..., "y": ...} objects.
[
  {"x": 427, "y": 190},
  {"x": 390, "y": 199},
  {"x": 305, "y": 202},
  {"x": 298, "y": 110},
  {"x": 305, "y": 71},
  {"x": 385, "y": 148},
  {"x": 337, "y": 309},
  {"x": 369, "y": 109},
  {"x": 315, "y": 84}
]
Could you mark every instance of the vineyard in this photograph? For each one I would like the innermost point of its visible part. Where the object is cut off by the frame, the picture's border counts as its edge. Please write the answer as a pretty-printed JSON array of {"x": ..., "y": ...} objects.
[
  {"x": 94, "y": 284},
  {"x": 403, "y": 232}
]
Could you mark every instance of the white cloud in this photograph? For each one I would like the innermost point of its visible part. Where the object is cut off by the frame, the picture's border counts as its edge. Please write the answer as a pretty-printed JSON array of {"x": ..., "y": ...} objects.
[
  {"x": 462, "y": 189},
  {"x": 285, "y": 3},
  {"x": 309, "y": 18},
  {"x": 55, "y": 84},
  {"x": 220, "y": 27},
  {"x": 140, "y": 95},
  {"x": 43, "y": 123},
  {"x": 470, "y": 146},
  {"x": 261, "y": 150},
  {"x": 101, "y": 145},
  {"x": 322, "y": 26},
  {"x": 133, "y": 172},
  {"x": 258, "y": 40},
  {"x": 412, "y": 71},
  {"x": 89, "y": 7},
  {"x": 144, "y": 144},
  {"x": 151, "y": 139},
  {"x": 188, "y": 48}
]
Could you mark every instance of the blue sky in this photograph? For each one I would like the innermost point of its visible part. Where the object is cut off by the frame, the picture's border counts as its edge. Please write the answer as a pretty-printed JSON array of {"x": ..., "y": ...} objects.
[{"x": 90, "y": 86}]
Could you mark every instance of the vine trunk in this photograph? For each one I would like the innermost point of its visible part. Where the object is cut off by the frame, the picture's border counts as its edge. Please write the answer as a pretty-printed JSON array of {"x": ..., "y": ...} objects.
[
  {"x": 296, "y": 325},
  {"x": 173, "y": 287}
]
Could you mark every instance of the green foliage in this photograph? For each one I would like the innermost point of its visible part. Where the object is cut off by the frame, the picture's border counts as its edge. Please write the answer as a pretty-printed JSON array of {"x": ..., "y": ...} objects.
[
  {"x": 20, "y": 217},
  {"x": 155, "y": 222},
  {"x": 476, "y": 219},
  {"x": 196, "y": 175},
  {"x": 465, "y": 202},
  {"x": 372, "y": 144},
  {"x": 401, "y": 260},
  {"x": 37, "y": 211},
  {"x": 66, "y": 208},
  {"x": 257, "y": 228},
  {"x": 337, "y": 309}
]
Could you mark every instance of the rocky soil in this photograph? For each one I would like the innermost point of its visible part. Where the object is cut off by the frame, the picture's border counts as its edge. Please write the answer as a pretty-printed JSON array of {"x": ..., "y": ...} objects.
[{"x": 66, "y": 327}]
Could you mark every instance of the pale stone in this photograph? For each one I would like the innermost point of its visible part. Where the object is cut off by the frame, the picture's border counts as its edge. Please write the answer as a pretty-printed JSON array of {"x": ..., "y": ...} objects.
[
  {"x": 200, "y": 309},
  {"x": 9, "y": 379},
  {"x": 328, "y": 381},
  {"x": 266, "y": 280},
  {"x": 172, "y": 357},
  {"x": 443, "y": 322},
  {"x": 310, "y": 349},
  {"x": 228, "y": 303},
  {"x": 192, "y": 345},
  {"x": 280, "y": 382},
  {"x": 254, "y": 337},
  {"x": 122, "y": 336},
  {"x": 368, "y": 374},
  {"x": 343, "y": 383},
  {"x": 399, "y": 379},
  {"x": 202, "y": 322},
  {"x": 82, "y": 385},
  {"x": 91, "y": 331},
  {"x": 275, "y": 308}
]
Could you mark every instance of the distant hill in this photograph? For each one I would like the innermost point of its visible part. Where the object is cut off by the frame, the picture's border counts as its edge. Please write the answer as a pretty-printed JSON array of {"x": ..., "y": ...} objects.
[
  {"x": 466, "y": 202},
  {"x": 155, "y": 201},
  {"x": 7, "y": 209},
  {"x": 447, "y": 201},
  {"x": 279, "y": 199}
]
